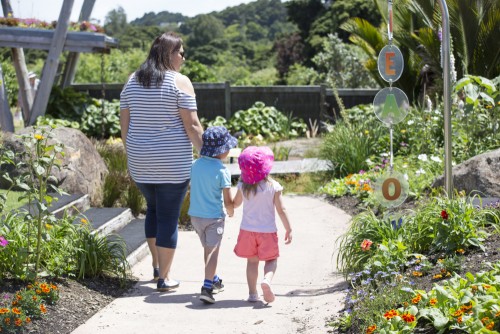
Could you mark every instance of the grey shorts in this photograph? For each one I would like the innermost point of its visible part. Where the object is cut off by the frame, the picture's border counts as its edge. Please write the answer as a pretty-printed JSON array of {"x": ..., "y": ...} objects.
[{"x": 210, "y": 230}]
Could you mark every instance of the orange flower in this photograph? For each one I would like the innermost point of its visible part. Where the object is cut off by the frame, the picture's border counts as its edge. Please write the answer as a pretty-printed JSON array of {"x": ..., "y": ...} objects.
[
  {"x": 371, "y": 329},
  {"x": 28, "y": 320},
  {"x": 7, "y": 321},
  {"x": 407, "y": 317},
  {"x": 497, "y": 314},
  {"x": 485, "y": 320},
  {"x": 416, "y": 299},
  {"x": 35, "y": 298},
  {"x": 18, "y": 322},
  {"x": 45, "y": 290},
  {"x": 38, "y": 291},
  {"x": 366, "y": 244},
  {"x": 15, "y": 310},
  {"x": 437, "y": 276},
  {"x": 417, "y": 273},
  {"x": 43, "y": 309},
  {"x": 460, "y": 251},
  {"x": 459, "y": 319},
  {"x": 457, "y": 313},
  {"x": 53, "y": 287},
  {"x": 490, "y": 325},
  {"x": 391, "y": 314},
  {"x": 19, "y": 297},
  {"x": 486, "y": 286},
  {"x": 4, "y": 310},
  {"x": 466, "y": 307},
  {"x": 433, "y": 301}
]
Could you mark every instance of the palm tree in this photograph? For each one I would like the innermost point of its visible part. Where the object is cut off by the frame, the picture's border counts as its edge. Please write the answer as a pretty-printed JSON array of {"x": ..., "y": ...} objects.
[{"x": 474, "y": 29}]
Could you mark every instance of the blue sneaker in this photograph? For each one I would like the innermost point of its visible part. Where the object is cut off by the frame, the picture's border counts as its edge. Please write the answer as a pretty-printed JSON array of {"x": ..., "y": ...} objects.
[
  {"x": 166, "y": 286},
  {"x": 218, "y": 287}
]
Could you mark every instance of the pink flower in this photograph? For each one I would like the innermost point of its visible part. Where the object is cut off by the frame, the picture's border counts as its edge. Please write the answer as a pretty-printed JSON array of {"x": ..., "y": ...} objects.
[
  {"x": 3, "y": 241},
  {"x": 366, "y": 244}
]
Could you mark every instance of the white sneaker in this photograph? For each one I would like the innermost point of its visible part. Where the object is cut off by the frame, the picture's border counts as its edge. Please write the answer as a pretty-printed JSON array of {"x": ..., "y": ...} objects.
[
  {"x": 267, "y": 291},
  {"x": 253, "y": 298}
]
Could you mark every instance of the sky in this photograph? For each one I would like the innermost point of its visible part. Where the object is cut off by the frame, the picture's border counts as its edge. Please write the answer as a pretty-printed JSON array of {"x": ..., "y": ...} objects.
[{"x": 48, "y": 10}]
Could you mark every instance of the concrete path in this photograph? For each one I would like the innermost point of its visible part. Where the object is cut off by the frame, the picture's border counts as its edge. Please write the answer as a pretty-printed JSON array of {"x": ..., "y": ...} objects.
[{"x": 308, "y": 289}]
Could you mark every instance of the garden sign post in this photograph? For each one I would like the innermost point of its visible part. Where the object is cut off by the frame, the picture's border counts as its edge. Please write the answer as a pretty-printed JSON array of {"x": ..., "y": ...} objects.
[{"x": 391, "y": 107}]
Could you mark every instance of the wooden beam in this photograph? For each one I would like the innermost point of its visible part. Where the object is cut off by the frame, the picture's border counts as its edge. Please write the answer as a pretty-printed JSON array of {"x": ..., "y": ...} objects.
[
  {"x": 50, "y": 68},
  {"x": 6, "y": 119},
  {"x": 70, "y": 68},
  {"x": 22, "y": 78}
]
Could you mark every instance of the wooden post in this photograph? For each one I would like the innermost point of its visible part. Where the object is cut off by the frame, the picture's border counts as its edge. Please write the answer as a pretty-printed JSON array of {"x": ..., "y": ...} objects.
[
  {"x": 23, "y": 82},
  {"x": 6, "y": 120},
  {"x": 50, "y": 68},
  {"x": 322, "y": 101},
  {"x": 72, "y": 61},
  {"x": 227, "y": 99}
]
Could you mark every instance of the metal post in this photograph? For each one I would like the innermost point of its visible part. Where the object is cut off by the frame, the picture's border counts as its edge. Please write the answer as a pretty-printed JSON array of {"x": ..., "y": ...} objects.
[{"x": 446, "y": 97}]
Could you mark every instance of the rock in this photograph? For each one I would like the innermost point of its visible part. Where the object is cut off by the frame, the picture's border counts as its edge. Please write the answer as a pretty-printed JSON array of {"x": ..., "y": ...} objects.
[
  {"x": 82, "y": 169},
  {"x": 479, "y": 175}
]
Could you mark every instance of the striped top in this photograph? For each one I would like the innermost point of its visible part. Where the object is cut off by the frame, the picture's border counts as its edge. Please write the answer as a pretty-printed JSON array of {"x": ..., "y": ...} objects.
[{"x": 158, "y": 148}]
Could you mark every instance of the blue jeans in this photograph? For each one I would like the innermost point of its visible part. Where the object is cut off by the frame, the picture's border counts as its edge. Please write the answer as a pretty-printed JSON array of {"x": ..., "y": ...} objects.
[{"x": 164, "y": 203}]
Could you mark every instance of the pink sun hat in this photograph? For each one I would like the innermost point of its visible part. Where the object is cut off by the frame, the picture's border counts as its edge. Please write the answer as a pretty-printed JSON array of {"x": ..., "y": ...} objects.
[{"x": 255, "y": 163}]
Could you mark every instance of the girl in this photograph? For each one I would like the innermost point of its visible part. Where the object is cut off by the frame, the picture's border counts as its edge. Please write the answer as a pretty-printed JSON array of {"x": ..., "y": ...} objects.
[{"x": 258, "y": 239}]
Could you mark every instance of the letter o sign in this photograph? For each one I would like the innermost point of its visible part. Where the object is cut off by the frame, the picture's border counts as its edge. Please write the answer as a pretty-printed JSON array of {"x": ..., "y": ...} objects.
[{"x": 396, "y": 189}]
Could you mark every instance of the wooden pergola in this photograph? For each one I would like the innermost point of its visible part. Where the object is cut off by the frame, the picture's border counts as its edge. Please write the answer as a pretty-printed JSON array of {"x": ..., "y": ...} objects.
[{"x": 56, "y": 41}]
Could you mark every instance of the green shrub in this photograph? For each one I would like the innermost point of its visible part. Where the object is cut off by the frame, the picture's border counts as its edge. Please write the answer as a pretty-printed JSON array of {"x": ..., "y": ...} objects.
[{"x": 347, "y": 148}]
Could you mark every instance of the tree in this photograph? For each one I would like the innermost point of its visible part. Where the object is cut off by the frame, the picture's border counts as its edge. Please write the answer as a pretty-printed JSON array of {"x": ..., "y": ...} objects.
[
  {"x": 204, "y": 29},
  {"x": 289, "y": 51},
  {"x": 115, "y": 21}
]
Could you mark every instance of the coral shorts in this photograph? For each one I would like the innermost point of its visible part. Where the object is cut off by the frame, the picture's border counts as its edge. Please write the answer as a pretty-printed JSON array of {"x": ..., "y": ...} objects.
[{"x": 257, "y": 244}]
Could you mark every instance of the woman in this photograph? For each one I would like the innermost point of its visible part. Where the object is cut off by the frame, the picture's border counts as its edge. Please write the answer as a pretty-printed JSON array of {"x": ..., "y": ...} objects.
[{"x": 159, "y": 126}]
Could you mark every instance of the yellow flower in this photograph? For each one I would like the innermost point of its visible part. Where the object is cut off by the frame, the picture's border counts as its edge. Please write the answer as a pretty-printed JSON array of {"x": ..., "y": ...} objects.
[
  {"x": 417, "y": 273},
  {"x": 433, "y": 301},
  {"x": 15, "y": 310},
  {"x": 84, "y": 221},
  {"x": 403, "y": 131},
  {"x": 367, "y": 132},
  {"x": 48, "y": 226},
  {"x": 438, "y": 276},
  {"x": 460, "y": 251},
  {"x": 38, "y": 137}
]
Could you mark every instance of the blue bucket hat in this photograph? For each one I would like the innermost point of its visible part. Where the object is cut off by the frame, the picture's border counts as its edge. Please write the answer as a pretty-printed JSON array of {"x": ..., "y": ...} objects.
[{"x": 217, "y": 140}]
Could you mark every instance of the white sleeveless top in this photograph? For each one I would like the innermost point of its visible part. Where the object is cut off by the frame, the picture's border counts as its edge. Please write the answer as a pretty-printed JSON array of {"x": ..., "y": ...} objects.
[
  {"x": 158, "y": 148},
  {"x": 259, "y": 209}
]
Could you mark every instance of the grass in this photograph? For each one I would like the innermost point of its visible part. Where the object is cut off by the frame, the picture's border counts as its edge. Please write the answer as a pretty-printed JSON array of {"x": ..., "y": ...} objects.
[{"x": 12, "y": 201}]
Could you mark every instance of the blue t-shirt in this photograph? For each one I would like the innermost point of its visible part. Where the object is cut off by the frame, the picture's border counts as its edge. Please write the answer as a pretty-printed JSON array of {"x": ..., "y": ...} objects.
[{"x": 208, "y": 177}]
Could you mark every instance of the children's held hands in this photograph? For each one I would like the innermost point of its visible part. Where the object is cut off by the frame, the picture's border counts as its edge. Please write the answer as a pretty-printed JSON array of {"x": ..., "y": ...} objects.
[{"x": 288, "y": 237}]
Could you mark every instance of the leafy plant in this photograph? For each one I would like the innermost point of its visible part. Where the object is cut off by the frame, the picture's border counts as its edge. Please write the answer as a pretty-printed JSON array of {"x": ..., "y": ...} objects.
[
  {"x": 347, "y": 148},
  {"x": 97, "y": 255}
]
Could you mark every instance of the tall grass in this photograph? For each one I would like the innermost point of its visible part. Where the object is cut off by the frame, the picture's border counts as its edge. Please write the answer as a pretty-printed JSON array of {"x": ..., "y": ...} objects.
[{"x": 347, "y": 148}]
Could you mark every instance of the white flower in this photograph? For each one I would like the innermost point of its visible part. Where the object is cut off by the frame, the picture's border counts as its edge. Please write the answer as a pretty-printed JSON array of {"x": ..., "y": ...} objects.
[
  {"x": 436, "y": 159},
  {"x": 420, "y": 171},
  {"x": 406, "y": 176},
  {"x": 422, "y": 157},
  {"x": 410, "y": 122},
  {"x": 384, "y": 154},
  {"x": 369, "y": 162}
]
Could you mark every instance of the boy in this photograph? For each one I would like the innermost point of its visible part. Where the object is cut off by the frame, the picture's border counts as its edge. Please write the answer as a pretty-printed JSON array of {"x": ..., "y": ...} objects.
[{"x": 210, "y": 192}]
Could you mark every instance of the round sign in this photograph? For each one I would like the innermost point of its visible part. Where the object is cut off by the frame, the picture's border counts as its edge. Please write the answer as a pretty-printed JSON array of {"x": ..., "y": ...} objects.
[
  {"x": 391, "y": 105},
  {"x": 390, "y": 63},
  {"x": 391, "y": 189}
]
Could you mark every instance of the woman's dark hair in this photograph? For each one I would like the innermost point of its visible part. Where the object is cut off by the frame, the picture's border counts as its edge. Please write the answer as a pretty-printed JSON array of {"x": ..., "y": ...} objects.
[{"x": 152, "y": 71}]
